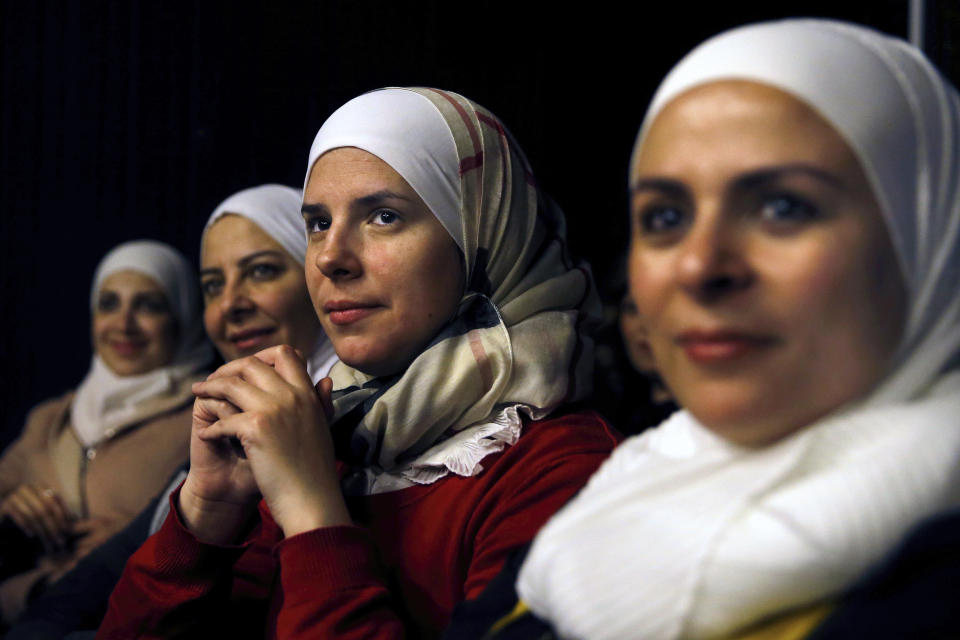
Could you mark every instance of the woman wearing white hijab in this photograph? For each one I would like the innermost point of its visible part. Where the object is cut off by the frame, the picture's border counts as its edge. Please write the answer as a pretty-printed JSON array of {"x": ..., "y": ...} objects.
[
  {"x": 89, "y": 461},
  {"x": 440, "y": 274},
  {"x": 795, "y": 215}
]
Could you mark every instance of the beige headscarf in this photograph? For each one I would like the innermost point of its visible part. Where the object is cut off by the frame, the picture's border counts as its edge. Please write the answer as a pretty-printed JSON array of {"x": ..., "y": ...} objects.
[{"x": 518, "y": 341}]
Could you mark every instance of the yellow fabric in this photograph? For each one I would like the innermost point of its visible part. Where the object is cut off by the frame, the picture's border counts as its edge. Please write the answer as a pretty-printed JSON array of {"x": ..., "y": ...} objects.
[
  {"x": 519, "y": 611},
  {"x": 790, "y": 626}
]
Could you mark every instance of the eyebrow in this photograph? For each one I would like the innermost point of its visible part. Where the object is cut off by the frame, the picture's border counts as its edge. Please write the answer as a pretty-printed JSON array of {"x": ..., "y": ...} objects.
[
  {"x": 244, "y": 261},
  {"x": 751, "y": 179},
  {"x": 368, "y": 200},
  {"x": 667, "y": 186},
  {"x": 772, "y": 174}
]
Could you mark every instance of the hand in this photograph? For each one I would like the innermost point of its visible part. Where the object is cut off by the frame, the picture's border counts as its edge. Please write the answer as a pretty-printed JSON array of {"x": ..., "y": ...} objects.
[
  {"x": 40, "y": 513},
  {"x": 283, "y": 430},
  {"x": 220, "y": 493}
]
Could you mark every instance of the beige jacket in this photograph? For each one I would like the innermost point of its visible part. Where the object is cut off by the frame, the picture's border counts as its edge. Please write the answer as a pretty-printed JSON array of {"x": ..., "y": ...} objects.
[{"x": 112, "y": 481}]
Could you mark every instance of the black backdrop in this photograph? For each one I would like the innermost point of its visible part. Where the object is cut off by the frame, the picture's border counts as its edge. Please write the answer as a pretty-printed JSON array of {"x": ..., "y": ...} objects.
[{"x": 125, "y": 120}]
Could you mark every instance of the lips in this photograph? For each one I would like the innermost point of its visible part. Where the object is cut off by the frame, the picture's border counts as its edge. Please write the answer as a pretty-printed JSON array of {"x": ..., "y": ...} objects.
[
  {"x": 128, "y": 348},
  {"x": 722, "y": 346},
  {"x": 251, "y": 338},
  {"x": 345, "y": 312}
]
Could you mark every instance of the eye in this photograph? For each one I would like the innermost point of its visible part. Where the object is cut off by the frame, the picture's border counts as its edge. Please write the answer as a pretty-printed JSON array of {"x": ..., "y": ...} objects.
[
  {"x": 787, "y": 208},
  {"x": 316, "y": 224},
  {"x": 385, "y": 217},
  {"x": 108, "y": 301},
  {"x": 658, "y": 219},
  {"x": 264, "y": 271},
  {"x": 211, "y": 287},
  {"x": 152, "y": 304}
]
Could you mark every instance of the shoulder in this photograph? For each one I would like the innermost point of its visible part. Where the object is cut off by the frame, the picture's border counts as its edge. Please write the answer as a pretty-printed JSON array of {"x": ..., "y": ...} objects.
[
  {"x": 49, "y": 409},
  {"x": 569, "y": 444},
  {"x": 578, "y": 432}
]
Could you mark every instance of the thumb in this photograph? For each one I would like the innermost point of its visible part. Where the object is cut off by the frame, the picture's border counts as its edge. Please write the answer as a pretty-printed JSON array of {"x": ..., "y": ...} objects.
[{"x": 324, "y": 390}]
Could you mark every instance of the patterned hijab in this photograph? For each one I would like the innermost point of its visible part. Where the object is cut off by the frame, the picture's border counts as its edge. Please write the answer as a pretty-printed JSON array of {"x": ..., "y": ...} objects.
[
  {"x": 518, "y": 340},
  {"x": 681, "y": 534}
]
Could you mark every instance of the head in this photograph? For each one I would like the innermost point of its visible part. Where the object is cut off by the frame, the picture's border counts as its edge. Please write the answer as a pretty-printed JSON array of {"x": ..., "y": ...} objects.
[
  {"x": 251, "y": 274},
  {"x": 145, "y": 309},
  {"x": 768, "y": 255}
]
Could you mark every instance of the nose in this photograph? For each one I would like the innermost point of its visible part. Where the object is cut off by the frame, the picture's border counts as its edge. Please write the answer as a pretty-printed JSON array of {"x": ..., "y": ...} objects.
[
  {"x": 337, "y": 255},
  {"x": 713, "y": 262},
  {"x": 129, "y": 319}
]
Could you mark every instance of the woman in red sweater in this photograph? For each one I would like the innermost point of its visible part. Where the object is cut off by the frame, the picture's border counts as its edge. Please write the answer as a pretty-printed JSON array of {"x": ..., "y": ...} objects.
[{"x": 440, "y": 273}]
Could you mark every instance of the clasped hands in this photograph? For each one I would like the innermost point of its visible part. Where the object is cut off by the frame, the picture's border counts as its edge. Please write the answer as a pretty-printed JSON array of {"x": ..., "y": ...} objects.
[{"x": 260, "y": 429}]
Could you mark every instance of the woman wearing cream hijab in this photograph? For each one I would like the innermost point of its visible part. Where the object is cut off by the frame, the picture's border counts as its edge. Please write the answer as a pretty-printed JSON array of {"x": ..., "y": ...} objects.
[{"x": 795, "y": 250}]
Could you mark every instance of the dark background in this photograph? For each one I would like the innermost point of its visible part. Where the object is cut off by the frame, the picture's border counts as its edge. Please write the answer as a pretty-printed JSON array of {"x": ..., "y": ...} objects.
[{"x": 125, "y": 120}]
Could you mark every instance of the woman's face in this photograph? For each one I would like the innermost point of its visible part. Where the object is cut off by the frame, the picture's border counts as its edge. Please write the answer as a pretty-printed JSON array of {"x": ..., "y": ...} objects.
[
  {"x": 254, "y": 292},
  {"x": 383, "y": 273},
  {"x": 134, "y": 330},
  {"x": 760, "y": 261}
]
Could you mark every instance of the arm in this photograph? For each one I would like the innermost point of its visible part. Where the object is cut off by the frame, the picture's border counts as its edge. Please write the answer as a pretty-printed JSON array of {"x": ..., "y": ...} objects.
[
  {"x": 334, "y": 587},
  {"x": 175, "y": 584}
]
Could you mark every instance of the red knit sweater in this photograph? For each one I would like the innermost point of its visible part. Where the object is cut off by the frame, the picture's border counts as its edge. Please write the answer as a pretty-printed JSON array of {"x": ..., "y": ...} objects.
[{"x": 412, "y": 556}]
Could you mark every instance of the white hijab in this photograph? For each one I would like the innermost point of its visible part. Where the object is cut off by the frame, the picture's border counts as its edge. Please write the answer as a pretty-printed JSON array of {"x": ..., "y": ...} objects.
[
  {"x": 275, "y": 209},
  {"x": 681, "y": 534},
  {"x": 105, "y": 403}
]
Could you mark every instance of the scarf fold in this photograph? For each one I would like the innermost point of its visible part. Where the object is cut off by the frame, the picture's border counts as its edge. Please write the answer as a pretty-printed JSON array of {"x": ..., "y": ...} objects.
[
  {"x": 519, "y": 341},
  {"x": 681, "y": 534},
  {"x": 106, "y": 403}
]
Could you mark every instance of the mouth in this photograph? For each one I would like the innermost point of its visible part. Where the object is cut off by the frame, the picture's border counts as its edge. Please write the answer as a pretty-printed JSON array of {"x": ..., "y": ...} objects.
[
  {"x": 344, "y": 312},
  {"x": 709, "y": 347},
  {"x": 128, "y": 348},
  {"x": 249, "y": 339}
]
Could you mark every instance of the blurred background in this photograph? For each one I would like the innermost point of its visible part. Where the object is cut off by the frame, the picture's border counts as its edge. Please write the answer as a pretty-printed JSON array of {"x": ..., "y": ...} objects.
[{"x": 124, "y": 120}]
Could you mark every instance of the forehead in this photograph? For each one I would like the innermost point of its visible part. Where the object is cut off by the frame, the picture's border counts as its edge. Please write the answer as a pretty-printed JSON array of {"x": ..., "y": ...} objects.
[
  {"x": 232, "y": 238},
  {"x": 347, "y": 167},
  {"x": 132, "y": 281},
  {"x": 736, "y": 125}
]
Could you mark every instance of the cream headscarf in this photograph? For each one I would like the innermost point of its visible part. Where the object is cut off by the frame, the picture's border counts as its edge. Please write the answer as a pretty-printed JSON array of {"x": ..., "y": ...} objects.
[
  {"x": 105, "y": 403},
  {"x": 275, "y": 208},
  {"x": 518, "y": 341},
  {"x": 681, "y": 534}
]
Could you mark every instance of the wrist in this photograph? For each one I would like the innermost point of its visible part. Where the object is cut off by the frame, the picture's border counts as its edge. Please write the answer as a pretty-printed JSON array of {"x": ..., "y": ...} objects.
[{"x": 212, "y": 521}]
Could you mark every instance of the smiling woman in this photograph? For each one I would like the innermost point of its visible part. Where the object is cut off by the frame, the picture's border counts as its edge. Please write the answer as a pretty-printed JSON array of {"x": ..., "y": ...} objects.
[
  {"x": 795, "y": 211},
  {"x": 79, "y": 471}
]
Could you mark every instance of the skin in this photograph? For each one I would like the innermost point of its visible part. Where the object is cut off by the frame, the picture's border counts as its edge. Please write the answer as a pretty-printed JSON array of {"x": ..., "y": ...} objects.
[
  {"x": 372, "y": 243},
  {"x": 635, "y": 336},
  {"x": 761, "y": 262},
  {"x": 134, "y": 332},
  {"x": 255, "y": 295}
]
